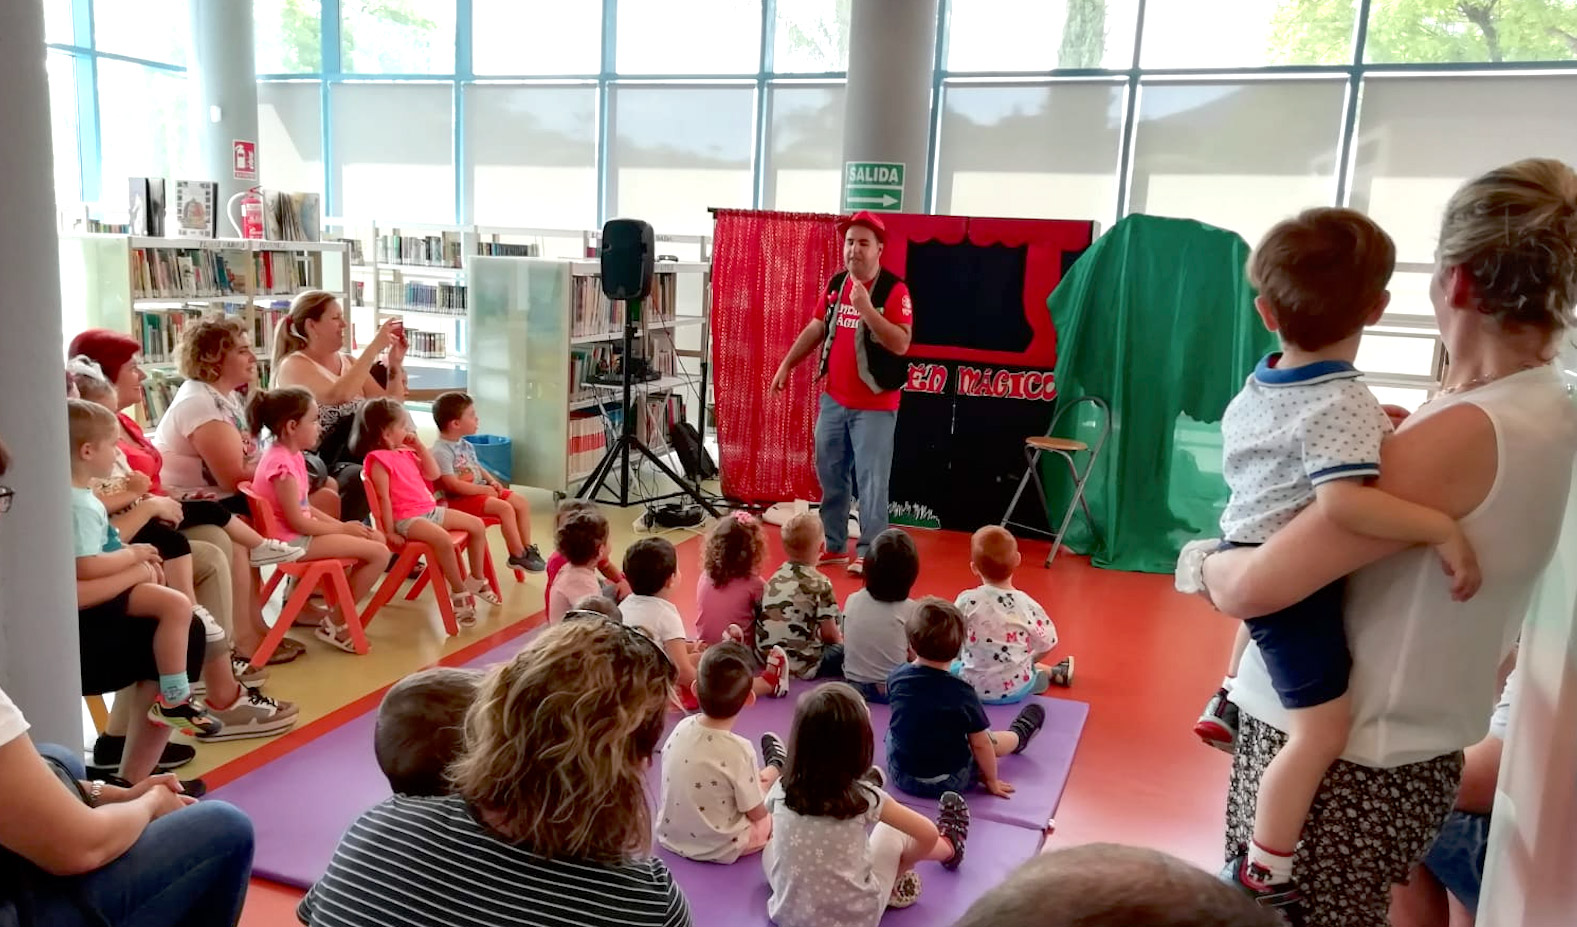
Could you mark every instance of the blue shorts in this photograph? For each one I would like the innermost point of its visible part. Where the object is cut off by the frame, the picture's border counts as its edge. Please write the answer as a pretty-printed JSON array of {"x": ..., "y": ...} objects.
[
  {"x": 931, "y": 786},
  {"x": 873, "y": 692},
  {"x": 1457, "y": 858},
  {"x": 1305, "y": 647}
]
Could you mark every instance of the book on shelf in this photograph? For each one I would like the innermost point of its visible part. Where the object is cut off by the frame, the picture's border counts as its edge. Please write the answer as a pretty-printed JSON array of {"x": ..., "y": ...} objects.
[
  {"x": 442, "y": 250},
  {"x": 179, "y": 272},
  {"x": 160, "y": 330},
  {"x": 426, "y": 344},
  {"x": 588, "y": 441},
  {"x": 292, "y": 216},
  {"x": 593, "y": 314},
  {"x": 441, "y": 298},
  {"x": 352, "y": 245},
  {"x": 146, "y": 202},
  {"x": 496, "y": 248},
  {"x": 196, "y": 208}
]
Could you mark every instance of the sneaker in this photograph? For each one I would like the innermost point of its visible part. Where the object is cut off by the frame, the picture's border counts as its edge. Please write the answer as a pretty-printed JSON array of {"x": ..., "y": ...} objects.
[
  {"x": 1062, "y": 673},
  {"x": 107, "y": 750},
  {"x": 245, "y": 674},
  {"x": 1218, "y": 723},
  {"x": 188, "y": 717},
  {"x": 212, "y": 632},
  {"x": 773, "y": 753},
  {"x": 1283, "y": 898},
  {"x": 1027, "y": 723},
  {"x": 529, "y": 560},
  {"x": 253, "y": 715},
  {"x": 272, "y": 551},
  {"x": 952, "y": 822},
  {"x": 777, "y": 672},
  {"x": 832, "y": 558},
  {"x": 857, "y": 566},
  {"x": 906, "y": 891}
]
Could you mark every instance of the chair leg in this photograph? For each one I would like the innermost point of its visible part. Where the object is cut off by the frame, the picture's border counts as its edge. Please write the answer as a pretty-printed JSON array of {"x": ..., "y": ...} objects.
[
  {"x": 492, "y": 574},
  {"x": 98, "y": 712},
  {"x": 445, "y": 604},
  {"x": 338, "y": 592},
  {"x": 1007, "y": 517},
  {"x": 287, "y": 615},
  {"x": 420, "y": 584},
  {"x": 1073, "y": 504},
  {"x": 391, "y": 582}
]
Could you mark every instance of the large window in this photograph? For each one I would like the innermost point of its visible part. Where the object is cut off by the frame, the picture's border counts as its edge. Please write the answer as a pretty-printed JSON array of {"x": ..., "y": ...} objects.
[
  {"x": 397, "y": 36},
  {"x": 289, "y": 36},
  {"x": 805, "y": 147},
  {"x": 153, "y": 30},
  {"x": 393, "y": 144},
  {"x": 811, "y": 35},
  {"x": 536, "y": 37},
  {"x": 61, "y": 71},
  {"x": 689, "y": 36},
  {"x": 531, "y": 155},
  {"x": 674, "y": 151},
  {"x": 290, "y": 135},
  {"x": 1039, "y": 35},
  {"x": 143, "y": 123}
]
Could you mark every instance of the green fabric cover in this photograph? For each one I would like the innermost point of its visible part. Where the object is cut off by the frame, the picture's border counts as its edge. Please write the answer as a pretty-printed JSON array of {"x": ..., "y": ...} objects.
[{"x": 1157, "y": 318}]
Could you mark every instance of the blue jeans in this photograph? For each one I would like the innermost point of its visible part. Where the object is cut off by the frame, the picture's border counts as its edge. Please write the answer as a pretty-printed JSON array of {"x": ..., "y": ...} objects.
[
  {"x": 189, "y": 868},
  {"x": 931, "y": 786},
  {"x": 874, "y": 693},
  {"x": 865, "y": 439}
]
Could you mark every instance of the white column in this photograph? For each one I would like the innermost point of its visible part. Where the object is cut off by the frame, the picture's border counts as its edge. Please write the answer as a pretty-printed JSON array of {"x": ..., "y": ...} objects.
[
  {"x": 223, "y": 93},
  {"x": 39, "y": 664},
  {"x": 887, "y": 107}
]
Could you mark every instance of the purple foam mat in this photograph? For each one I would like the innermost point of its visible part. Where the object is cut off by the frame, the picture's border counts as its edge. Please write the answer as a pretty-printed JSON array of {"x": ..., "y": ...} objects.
[{"x": 737, "y": 894}]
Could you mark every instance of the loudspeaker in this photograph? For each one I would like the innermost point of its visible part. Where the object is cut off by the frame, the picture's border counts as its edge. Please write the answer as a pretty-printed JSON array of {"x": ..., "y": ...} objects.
[{"x": 627, "y": 252}]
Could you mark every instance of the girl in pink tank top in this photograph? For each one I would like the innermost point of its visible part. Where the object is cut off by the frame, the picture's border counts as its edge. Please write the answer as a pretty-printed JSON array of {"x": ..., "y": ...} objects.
[{"x": 400, "y": 470}]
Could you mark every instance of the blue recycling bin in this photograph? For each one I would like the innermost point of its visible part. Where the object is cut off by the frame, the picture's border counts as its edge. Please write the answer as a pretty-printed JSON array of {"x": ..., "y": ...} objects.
[{"x": 495, "y": 453}]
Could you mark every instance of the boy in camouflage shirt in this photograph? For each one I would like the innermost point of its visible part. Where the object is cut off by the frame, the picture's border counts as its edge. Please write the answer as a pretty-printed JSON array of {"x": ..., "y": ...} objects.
[{"x": 798, "y": 610}]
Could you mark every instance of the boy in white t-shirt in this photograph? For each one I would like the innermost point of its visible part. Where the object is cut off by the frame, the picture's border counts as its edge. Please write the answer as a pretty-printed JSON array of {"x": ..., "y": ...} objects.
[
  {"x": 1304, "y": 429},
  {"x": 713, "y": 804},
  {"x": 1007, "y": 632},
  {"x": 651, "y": 566}
]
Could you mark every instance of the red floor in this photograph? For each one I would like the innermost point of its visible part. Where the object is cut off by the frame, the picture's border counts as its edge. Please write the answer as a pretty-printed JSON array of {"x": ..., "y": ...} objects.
[{"x": 1147, "y": 658}]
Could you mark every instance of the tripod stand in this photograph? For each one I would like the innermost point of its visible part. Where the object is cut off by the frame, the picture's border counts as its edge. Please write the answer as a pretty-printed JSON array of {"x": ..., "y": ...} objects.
[{"x": 619, "y": 452}]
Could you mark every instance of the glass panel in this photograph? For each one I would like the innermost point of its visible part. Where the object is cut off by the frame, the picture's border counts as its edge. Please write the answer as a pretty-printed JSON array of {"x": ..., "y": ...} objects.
[
  {"x": 536, "y": 37},
  {"x": 288, "y": 36},
  {"x": 677, "y": 150},
  {"x": 155, "y": 30},
  {"x": 1404, "y": 354},
  {"x": 1039, "y": 35},
  {"x": 811, "y": 35},
  {"x": 1408, "y": 398},
  {"x": 1486, "y": 30},
  {"x": 1419, "y": 138},
  {"x": 290, "y": 135},
  {"x": 1410, "y": 294},
  {"x": 1046, "y": 151},
  {"x": 397, "y": 36},
  {"x": 58, "y": 26},
  {"x": 60, "y": 68},
  {"x": 1203, "y": 151},
  {"x": 804, "y": 148},
  {"x": 1247, "y": 33},
  {"x": 142, "y": 125},
  {"x": 689, "y": 37},
  {"x": 393, "y": 151},
  {"x": 532, "y": 154}
]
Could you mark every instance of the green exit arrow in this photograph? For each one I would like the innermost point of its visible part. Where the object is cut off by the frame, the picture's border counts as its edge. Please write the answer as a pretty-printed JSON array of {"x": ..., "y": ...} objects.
[{"x": 884, "y": 201}]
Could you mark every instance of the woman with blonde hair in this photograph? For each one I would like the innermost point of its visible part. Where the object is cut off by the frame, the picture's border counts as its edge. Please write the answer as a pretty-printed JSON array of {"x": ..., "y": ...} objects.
[
  {"x": 547, "y": 824},
  {"x": 1494, "y": 449}
]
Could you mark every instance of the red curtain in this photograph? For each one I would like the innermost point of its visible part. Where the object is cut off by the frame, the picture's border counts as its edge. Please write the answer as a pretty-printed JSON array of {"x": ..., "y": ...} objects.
[{"x": 768, "y": 272}]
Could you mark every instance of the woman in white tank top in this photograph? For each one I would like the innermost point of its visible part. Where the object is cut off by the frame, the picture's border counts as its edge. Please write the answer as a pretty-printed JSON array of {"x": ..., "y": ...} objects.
[{"x": 1494, "y": 450}]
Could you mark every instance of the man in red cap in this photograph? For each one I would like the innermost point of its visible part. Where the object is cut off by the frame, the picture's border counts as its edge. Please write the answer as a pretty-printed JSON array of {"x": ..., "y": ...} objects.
[{"x": 863, "y": 327}]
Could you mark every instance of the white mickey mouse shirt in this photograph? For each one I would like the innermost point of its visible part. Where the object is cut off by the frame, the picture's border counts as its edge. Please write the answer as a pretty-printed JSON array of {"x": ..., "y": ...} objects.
[
  {"x": 1003, "y": 631},
  {"x": 1289, "y": 430}
]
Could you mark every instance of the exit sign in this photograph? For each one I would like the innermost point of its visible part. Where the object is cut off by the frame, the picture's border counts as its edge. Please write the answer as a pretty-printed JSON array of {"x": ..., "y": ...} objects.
[{"x": 874, "y": 185}]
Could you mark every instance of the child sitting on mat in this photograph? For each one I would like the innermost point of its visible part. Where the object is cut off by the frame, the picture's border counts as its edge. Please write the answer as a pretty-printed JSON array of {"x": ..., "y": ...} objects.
[
  {"x": 712, "y": 806},
  {"x": 290, "y": 416},
  {"x": 822, "y": 867},
  {"x": 615, "y": 586},
  {"x": 798, "y": 609},
  {"x": 728, "y": 594},
  {"x": 1007, "y": 633},
  {"x": 874, "y": 639},
  {"x": 399, "y": 467},
  {"x": 652, "y": 567},
  {"x": 420, "y": 728},
  {"x": 468, "y": 486},
  {"x": 580, "y": 541},
  {"x": 940, "y": 739}
]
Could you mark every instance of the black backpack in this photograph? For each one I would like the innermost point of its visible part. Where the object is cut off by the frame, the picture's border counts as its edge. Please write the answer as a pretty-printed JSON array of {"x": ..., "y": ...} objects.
[{"x": 693, "y": 457}]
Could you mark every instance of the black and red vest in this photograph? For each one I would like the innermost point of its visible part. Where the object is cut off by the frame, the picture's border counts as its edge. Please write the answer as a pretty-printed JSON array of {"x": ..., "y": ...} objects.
[{"x": 879, "y": 368}]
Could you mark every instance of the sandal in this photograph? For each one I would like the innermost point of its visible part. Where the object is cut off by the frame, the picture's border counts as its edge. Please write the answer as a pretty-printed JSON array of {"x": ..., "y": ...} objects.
[
  {"x": 335, "y": 634},
  {"x": 906, "y": 891},
  {"x": 286, "y": 651}
]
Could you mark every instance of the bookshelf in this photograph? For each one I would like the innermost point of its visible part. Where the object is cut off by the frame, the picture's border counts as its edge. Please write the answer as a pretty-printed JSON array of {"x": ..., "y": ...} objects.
[
  {"x": 542, "y": 333},
  {"x": 152, "y": 288}
]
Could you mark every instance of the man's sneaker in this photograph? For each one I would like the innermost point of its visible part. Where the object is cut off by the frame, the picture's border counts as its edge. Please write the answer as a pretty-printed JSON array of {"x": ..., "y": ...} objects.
[
  {"x": 1218, "y": 724},
  {"x": 272, "y": 551},
  {"x": 212, "y": 632},
  {"x": 1283, "y": 898},
  {"x": 1062, "y": 673},
  {"x": 857, "y": 566},
  {"x": 952, "y": 822},
  {"x": 832, "y": 558},
  {"x": 253, "y": 715},
  {"x": 189, "y": 717},
  {"x": 773, "y": 753},
  {"x": 529, "y": 560},
  {"x": 107, "y": 750},
  {"x": 777, "y": 672}
]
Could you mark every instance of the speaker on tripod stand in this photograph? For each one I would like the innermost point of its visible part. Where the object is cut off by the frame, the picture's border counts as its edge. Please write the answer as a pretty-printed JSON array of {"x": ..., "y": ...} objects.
[{"x": 628, "y": 253}]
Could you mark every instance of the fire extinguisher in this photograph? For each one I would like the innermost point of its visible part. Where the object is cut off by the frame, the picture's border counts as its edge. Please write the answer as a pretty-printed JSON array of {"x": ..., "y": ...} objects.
[{"x": 251, "y": 224}]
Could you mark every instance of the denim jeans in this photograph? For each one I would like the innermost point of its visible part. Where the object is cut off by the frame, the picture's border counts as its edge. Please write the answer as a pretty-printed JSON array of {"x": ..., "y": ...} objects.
[
  {"x": 865, "y": 439},
  {"x": 189, "y": 868},
  {"x": 931, "y": 786},
  {"x": 874, "y": 693}
]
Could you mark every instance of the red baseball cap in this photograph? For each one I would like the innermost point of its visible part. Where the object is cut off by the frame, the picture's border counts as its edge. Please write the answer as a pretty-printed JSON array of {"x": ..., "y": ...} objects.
[{"x": 868, "y": 219}]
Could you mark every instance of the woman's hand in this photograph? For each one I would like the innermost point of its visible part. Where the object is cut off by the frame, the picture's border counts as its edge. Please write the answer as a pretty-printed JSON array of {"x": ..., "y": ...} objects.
[
  {"x": 164, "y": 509},
  {"x": 114, "y": 794}
]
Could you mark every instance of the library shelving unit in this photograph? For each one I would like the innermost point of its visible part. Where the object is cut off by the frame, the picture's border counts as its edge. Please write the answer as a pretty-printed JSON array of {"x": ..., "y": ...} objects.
[
  {"x": 418, "y": 272},
  {"x": 544, "y": 358},
  {"x": 151, "y": 288}
]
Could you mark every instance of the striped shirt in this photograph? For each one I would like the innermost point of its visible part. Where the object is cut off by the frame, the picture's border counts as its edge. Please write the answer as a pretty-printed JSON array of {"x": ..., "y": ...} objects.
[{"x": 426, "y": 862}]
